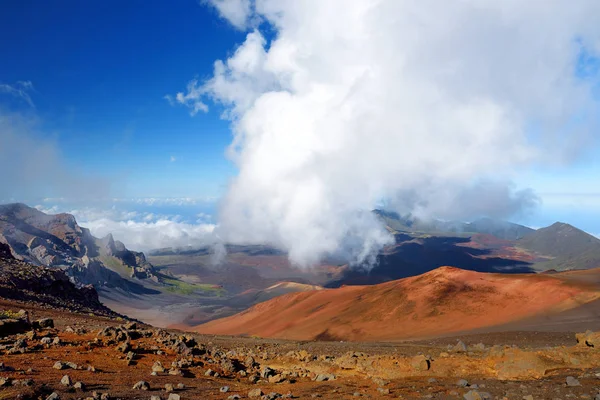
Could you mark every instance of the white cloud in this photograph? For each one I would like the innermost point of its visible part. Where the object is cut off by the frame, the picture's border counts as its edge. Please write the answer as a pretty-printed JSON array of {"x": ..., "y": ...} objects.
[
  {"x": 140, "y": 230},
  {"x": 417, "y": 102},
  {"x": 173, "y": 159},
  {"x": 237, "y": 12},
  {"x": 20, "y": 90},
  {"x": 143, "y": 236}
]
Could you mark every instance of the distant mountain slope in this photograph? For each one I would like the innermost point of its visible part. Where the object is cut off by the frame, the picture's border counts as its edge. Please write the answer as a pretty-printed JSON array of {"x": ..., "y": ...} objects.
[
  {"x": 439, "y": 302},
  {"x": 500, "y": 229},
  {"x": 58, "y": 241},
  {"x": 565, "y": 247}
]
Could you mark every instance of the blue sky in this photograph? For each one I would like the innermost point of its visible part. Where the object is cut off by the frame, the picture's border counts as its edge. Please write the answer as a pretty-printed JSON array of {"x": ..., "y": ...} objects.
[{"x": 99, "y": 72}]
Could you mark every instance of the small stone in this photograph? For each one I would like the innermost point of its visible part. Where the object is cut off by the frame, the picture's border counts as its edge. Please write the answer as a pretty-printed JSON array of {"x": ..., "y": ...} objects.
[
  {"x": 420, "y": 363},
  {"x": 276, "y": 378},
  {"x": 45, "y": 340},
  {"x": 383, "y": 390},
  {"x": 104, "y": 396},
  {"x": 53, "y": 396},
  {"x": 169, "y": 387},
  {"x": 158, "y": 367},
  {"x": 174, "y": 396},
  {"x": 472, "y": 395},
  {"x": 459, "y": 347},
  {"x": 59, "y": 365},
  {"x": 66, "y": 380},
  {"x": 224, "y": 389},
  {"x": 44, "y": 323},
  {"x": 234, "y": 397},
  {"x": 79, "y": 385},
  {"x": 209, "y": 372},
  {"x": 572, "y": 381},
  {"x": 141, "y": 385},
  {"x": 462, "y": 383},
  {"x": 180, "y": 386},
  {"x": 324, "y": 377},
  {"x": 155, "y": 398},
  {"x": 255, "y": 393}
]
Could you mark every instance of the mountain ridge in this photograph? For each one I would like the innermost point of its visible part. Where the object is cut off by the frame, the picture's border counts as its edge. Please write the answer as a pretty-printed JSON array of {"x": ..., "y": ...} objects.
[{"x": 57, "y": 241}]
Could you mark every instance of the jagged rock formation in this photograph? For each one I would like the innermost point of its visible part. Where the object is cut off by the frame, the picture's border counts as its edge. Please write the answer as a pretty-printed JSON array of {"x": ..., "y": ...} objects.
[{"x": 58, "y": 241}]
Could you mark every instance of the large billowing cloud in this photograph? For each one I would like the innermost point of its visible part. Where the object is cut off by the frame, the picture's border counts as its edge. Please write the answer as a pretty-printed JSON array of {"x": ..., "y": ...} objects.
[{"x": 426, "y": 104}]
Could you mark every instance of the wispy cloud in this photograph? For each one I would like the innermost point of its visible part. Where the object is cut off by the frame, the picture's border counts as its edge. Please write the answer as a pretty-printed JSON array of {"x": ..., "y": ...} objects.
[
  {"x": 173, "y": 159},
  {"x": 237, "y": 12},
  {"x": 33, "y": 165},
  {"x": 20, "y": 89}
]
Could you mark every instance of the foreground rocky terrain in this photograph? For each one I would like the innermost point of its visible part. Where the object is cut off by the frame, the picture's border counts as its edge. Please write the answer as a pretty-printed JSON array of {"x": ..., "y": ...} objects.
[{"x": 78, "y": 356}]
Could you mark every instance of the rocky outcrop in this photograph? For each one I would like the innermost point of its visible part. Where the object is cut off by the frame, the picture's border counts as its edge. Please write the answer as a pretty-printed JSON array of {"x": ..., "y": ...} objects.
[
  {"x": 58, "y": 241},
  {"x": 47, "y": 286}
]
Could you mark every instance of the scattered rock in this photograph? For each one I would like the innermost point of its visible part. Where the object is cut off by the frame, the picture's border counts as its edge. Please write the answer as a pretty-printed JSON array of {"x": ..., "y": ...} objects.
[
  {"x": 66, "y": 380},
  {"x": 53, "y": 396},
  {"x": 475, "y": 395},
  {"x": 79, "y": 385},
  {"x": 169, "y": 387},
  {"x": 255, "y": 393},
  {"x": 43, "y": 323},
  {"x": 278, "y": 378},
  {"x": 158, "y": 367},
  {"x": 459, "y": 347},
  {"x": 324, "y": 377},
  {"x": 174, "y": 396},
  {"x": 141, "y": 385},
  {"x": 420, "y": 363},
  {"x": 572, "y": 381},
  {"x": 59, "y": 365},
  {"x": 224, "y": 389},
  {"x": 462, "y": 383},
  {"x": 383, "y": 390}
]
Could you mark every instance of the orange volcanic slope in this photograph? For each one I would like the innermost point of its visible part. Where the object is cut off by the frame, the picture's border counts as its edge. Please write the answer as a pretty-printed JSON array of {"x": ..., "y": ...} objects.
[{"x": 439, "y": 302}]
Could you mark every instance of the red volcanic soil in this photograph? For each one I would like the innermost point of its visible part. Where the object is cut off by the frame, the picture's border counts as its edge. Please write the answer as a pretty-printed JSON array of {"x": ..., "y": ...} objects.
[{"x": 440, "y": 302}]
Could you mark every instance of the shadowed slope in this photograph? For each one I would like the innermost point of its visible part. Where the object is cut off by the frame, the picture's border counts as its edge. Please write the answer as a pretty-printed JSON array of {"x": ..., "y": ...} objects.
[{"x": 436, "y": 303}]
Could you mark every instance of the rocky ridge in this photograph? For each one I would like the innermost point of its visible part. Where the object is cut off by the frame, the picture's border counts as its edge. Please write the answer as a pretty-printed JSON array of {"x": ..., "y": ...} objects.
[{"x": 57, "y": 241}]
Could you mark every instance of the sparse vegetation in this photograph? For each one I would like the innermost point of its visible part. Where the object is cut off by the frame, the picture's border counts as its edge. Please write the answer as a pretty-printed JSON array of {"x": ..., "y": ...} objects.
[
  {"x": 185, "y": 288},
  {"x": 9, "y": 314}
]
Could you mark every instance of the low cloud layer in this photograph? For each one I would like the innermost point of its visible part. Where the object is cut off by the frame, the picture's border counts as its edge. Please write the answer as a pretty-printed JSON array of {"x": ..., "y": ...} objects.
[
  {"x": 141, "y": 224},
  {"x": 434, "y": 106}
]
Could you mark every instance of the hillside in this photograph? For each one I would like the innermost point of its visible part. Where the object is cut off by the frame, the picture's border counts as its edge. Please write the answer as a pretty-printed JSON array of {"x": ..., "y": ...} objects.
[
  {"x": 45, "y": 286},
  {"x": 436, "y": 303},
  {"x": 57, "y": 241},
  {"x": 564, "y": 247}
]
